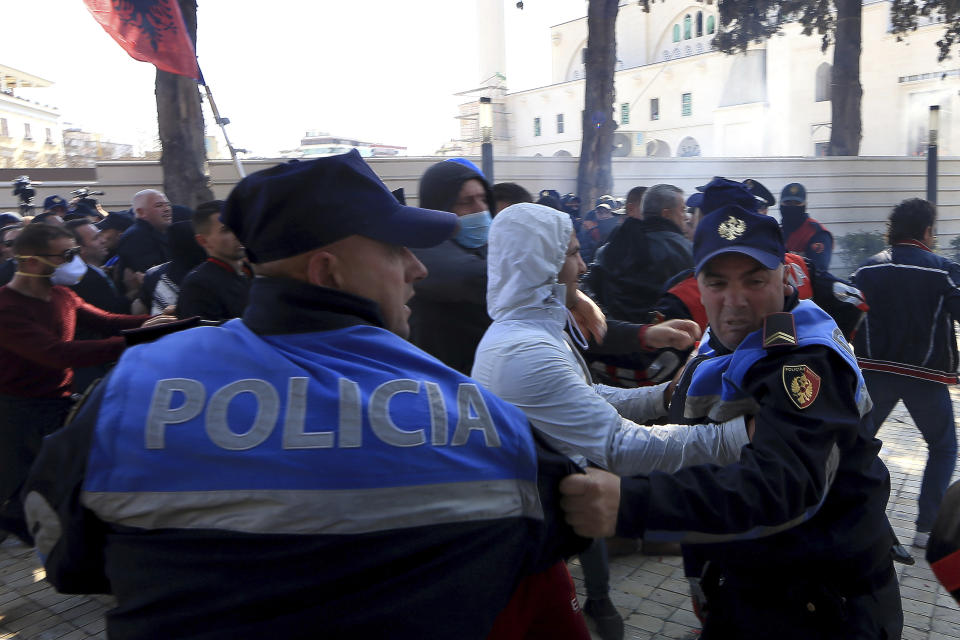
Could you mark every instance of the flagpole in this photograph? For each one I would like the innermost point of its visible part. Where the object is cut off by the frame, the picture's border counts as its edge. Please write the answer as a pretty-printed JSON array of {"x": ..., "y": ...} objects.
[{"x": 223, "y": 127}]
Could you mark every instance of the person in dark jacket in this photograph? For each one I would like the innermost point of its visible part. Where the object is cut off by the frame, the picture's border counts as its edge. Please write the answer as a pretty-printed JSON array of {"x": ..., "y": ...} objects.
[
  {"x": 449, "y": 313},
  {"x": 382, "y": 494},
  {"x": 161, "y": 284},
  {"x": 907, "y": 346},
  {"x": 804, "y": 235},
  {"x": 95, "y": 288},
  {"x": 649, "y": 249},
  {"x": 793, "y": 540},
  {"x": 144, "y": 244},
  {"x": 217, "y": 288}
]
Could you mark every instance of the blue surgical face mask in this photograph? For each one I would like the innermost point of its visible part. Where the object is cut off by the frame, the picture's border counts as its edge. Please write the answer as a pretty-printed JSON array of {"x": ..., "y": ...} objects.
[{"x": 474, "y": 229}]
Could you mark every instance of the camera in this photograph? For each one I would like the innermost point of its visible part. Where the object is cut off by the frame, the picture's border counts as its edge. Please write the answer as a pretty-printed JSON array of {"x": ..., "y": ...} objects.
[
  {"x": 83, "y": 193},
  {"x": 23, "y": 189}
]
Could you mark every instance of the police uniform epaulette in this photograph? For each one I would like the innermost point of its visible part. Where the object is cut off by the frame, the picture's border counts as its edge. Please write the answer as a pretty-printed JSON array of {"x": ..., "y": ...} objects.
[{"x": 779, "y": 330}]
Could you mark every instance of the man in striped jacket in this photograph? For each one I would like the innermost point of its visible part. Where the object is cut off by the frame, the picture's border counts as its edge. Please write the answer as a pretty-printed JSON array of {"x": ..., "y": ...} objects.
[{"x": 907, "y": 347}]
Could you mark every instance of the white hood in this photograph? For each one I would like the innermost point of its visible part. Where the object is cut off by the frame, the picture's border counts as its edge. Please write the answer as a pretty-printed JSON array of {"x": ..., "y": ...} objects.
[{"x": 527, "y": 246}]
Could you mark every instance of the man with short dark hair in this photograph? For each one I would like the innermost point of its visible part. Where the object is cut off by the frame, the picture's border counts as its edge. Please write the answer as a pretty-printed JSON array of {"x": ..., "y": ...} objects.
[
  {"x": 644, "y": 253},
  {"x": 792, "y": 541},
  {"x": 634, "y": 198},
  {"x": 908, "y": 347},
  {"x": 38, "y": 318},
  {"x": 111, "y": 228},
  {"x": 383, "y": 493},
  {"x": 508, "y": 193},
  {"x": 217, "y": 289},
  {"x": 94, "y": 286}
]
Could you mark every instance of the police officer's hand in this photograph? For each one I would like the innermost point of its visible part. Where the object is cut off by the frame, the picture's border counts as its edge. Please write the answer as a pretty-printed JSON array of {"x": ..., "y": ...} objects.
[
  {"x": 676, "y": 334},
  {"x": 591, "y": 502},
  {"x": 751, "y": 423}
]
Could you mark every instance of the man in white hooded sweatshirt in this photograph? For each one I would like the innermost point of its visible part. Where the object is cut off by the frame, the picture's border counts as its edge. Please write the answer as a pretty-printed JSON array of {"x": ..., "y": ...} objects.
[{"x": 529, "y": 357}]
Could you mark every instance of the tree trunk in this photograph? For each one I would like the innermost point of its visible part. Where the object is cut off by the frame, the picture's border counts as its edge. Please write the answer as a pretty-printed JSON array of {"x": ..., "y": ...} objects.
[
  {"x": 595, "y": 176},
  {"x": 845, "y": 90},
  {"x": 184, "y": 156}
]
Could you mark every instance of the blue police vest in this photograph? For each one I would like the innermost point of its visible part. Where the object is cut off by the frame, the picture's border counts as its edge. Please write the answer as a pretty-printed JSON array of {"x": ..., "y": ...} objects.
[
  {"x": 716, "y": 389},
  {"x": 337, "y": 432}
]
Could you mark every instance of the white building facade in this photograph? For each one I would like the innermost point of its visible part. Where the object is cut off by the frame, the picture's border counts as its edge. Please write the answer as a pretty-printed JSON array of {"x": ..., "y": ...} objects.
[
  {"x": 678, "y": 97},
  {"x": 30, "y": 132}
]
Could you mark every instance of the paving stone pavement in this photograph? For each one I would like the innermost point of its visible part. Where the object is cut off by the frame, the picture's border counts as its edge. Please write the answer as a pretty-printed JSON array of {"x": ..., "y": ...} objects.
[{"x": 649, "y": 591}]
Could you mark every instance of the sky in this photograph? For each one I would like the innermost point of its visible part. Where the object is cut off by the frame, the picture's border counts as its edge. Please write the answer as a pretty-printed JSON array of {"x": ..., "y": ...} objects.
[{"x": 377, "y": 70}]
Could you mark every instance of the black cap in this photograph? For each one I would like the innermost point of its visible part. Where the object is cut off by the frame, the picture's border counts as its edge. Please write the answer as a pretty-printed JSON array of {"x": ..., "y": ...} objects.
[
  {"x": 732, "y": 228},
  {"x": 760, "y": 192},
  {"x": 117, "y": 221},
  {"x": 793, "y": 193},
  {"x": 296, "y": 207}
]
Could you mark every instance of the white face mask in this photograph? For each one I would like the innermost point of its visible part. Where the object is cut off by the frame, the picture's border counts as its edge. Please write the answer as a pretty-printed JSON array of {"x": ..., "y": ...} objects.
[{"x": 69, "y": 273}]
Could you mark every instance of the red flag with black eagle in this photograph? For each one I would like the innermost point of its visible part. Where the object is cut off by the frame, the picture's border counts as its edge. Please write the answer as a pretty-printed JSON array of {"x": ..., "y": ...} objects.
[{"x": 149, "y": 30}]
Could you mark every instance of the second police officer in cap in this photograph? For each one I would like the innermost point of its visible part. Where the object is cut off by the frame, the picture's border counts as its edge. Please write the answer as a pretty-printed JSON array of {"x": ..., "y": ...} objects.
[{"x": 792, "y": 541}]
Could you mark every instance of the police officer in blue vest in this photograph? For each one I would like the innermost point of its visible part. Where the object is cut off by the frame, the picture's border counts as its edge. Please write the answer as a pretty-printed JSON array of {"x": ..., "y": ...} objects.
[
  {"x": 792, "y": 541},
  {"x": 303, "y": 471}
]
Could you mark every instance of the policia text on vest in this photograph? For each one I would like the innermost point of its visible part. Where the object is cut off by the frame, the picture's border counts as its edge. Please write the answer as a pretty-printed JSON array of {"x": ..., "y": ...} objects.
[{"x": 178, "y": 400}]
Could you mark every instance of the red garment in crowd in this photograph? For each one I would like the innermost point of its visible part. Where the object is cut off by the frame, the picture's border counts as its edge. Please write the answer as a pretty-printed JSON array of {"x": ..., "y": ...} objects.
[
  {"x": 544, "y": 606},
  {"x": 37, "y": 348}
]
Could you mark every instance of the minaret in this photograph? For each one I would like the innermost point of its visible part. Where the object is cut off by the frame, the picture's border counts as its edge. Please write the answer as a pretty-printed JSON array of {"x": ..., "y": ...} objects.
[{"x": 491, "y": 45}]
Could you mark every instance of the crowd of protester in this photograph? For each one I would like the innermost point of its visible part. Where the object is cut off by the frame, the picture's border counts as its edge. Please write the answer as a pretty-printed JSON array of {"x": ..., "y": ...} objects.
[{"x": 695, "y": 356}]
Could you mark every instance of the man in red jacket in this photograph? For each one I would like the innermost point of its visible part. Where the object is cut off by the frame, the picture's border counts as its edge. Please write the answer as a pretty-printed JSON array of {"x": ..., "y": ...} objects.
[{"x": 38, "y": 315}]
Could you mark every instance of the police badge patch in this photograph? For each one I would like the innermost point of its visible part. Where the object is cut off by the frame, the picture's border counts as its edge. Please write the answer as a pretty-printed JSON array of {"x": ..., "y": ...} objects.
[
  {"x": 731, "y": 228},
  {"x": 801, "y": 383}
]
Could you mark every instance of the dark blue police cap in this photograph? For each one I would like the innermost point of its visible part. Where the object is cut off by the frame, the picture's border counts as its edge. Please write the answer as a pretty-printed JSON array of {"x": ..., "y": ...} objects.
[
  {"x": 732, "y": 228},
  {"x": 761, "y": 192},
  {"x": 53, "y": 201},
  {"x": 793, "y": 193},
  {"x": 296, "y": 207},
  {"x": 721, "y": 192},
  {"x": 695, "y": 200}
]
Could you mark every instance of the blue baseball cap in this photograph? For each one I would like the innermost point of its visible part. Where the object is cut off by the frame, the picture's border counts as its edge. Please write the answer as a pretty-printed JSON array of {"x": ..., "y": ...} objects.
[
  {"x": 695, "y": 200},
  {"x": 298, "y": 206},
  {"x": 732, "y": 228},
  {"x": 54, "y": 201},
  {"x": 721, "y": 192}
]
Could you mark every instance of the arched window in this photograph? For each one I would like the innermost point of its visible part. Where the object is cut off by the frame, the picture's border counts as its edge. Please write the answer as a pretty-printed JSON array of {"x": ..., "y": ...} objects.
[
  {"x": 711, "y": 25},
  {"x": 676, "y": 33},
  {"x": 687, "y": 24},
  {"x": 824, "y": 78},
  {"x": 699, "y": 23}
]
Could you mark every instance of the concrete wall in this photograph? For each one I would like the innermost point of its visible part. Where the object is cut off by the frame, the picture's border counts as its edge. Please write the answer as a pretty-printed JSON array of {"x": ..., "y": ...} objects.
[{"x": 846, "y": 194}]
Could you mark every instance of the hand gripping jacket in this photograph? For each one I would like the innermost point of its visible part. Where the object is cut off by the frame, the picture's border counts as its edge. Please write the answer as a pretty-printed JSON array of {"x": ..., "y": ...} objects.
[{"x": 304, "y": 485}]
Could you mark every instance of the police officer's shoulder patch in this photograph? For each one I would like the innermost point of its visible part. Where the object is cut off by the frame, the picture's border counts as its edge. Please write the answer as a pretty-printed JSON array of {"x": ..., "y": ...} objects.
[
  {"x": 801, "y": 383},
  {"x": 779, "y": 330}
]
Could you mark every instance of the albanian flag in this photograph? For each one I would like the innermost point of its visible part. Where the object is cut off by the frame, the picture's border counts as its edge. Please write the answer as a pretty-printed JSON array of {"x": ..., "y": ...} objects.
[{"x": 149, "y": 30}]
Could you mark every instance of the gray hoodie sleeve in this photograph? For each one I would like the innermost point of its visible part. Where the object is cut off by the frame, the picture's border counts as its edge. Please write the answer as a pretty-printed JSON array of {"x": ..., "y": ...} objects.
[{"x": 542, "y": 379}]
